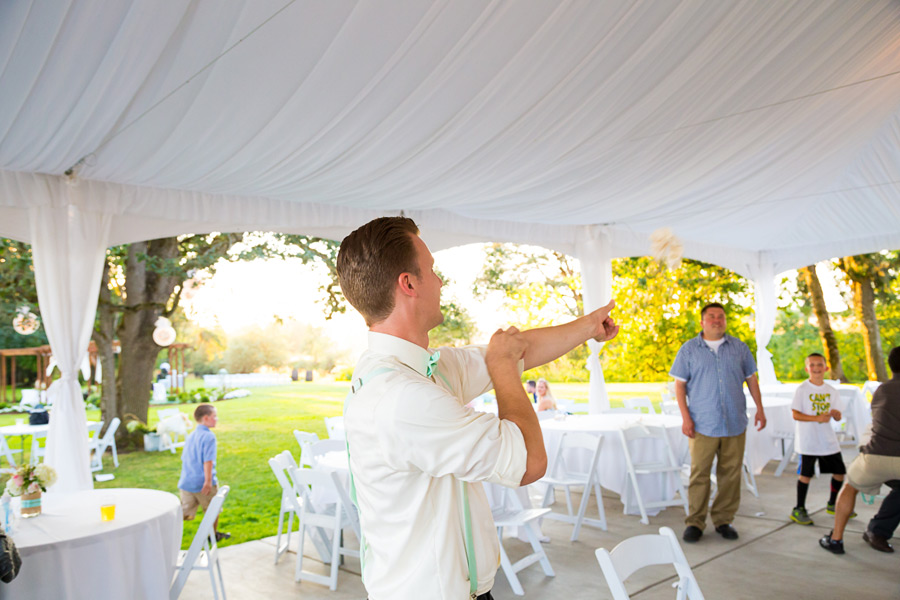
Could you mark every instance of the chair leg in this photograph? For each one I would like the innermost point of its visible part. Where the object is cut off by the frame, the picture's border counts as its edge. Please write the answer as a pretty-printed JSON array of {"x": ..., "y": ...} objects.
[
  {"x": 115, "y": 455},
  {"x": 278, "y": 549},
  {"x": 601, "y": 511},
  {"x": 582, "y": 508},
  {"x": 212, "y": 576},
  {"x": 750, "y": 479},
  {"x": 508, "y": 570},
  {"x": 640, "y": 501},
  {"x": 787, "y": 453},
  {"x": 335, "y": 551},
  {"x": 221, "y": 581},
  {"x": 535, "y": 540},
  {"x": 298, "y": 570}
]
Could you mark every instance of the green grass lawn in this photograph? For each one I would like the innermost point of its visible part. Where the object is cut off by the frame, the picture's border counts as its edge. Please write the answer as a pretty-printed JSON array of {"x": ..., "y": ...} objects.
[{"x": 251, "y": 430}]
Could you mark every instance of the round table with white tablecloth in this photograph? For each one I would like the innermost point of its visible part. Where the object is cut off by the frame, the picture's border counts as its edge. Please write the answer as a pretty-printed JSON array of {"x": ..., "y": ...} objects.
[
  {"x": 68, "y": 552},
  {"x": 611, "y": 469}
]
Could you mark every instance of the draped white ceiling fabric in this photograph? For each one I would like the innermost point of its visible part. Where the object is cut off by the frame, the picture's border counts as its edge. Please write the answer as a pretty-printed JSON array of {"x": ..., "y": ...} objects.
[
  {"x": 766, "y": 135},
  {"x": 757, "y": 131}
]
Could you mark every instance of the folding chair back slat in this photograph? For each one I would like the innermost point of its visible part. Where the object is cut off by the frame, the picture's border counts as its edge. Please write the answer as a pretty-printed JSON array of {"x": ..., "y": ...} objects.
[
  {"x": 642, "y": 551},
  {"x": 335, "y": 427},
  {"x": 323, "y": 447},
  {"x": 640, "y": 403},
  {"x": 305, "y": 439}
]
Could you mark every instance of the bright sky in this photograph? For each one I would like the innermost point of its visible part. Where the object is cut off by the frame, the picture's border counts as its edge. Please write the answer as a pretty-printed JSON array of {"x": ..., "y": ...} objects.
[{"x": 245, "y": 294}]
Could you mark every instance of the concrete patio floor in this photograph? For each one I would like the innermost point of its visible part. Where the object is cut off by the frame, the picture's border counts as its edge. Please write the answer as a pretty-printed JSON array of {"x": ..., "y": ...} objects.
[{"x": 773, "y": 558}]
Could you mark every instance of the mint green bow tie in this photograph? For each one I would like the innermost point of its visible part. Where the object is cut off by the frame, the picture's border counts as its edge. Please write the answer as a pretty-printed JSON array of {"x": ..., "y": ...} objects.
[{"x": 432, "y": 364}]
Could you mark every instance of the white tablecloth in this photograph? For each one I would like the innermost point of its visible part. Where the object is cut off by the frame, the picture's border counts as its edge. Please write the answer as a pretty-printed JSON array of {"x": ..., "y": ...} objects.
[
  {"x": 24, "y": 430},
  {"x": 611, "y": 469},
  {"x": 766, "y": 445},
  {"x": 69, "y": 553}
]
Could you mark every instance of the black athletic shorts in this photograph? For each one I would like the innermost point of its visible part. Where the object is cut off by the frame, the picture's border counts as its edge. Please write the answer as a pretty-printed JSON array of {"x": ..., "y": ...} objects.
[{"x": 833, "y": 463}]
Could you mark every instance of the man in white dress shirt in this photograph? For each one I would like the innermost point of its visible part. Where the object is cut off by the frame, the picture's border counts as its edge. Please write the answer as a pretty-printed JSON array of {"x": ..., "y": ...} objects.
[{"x": 417, "y": 454}]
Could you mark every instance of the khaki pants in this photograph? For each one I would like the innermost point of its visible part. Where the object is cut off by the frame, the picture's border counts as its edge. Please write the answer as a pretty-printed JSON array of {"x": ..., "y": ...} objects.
[{"x": 730, "y": 451}]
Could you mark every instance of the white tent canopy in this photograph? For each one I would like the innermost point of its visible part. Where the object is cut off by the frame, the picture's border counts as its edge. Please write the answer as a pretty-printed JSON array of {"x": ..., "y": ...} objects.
[{"x": 766, "y": 135}]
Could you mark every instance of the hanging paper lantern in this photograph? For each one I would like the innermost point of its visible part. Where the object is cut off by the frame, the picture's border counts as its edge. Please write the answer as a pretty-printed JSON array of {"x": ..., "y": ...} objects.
[
  {"x": 666, "y": 247},
  {"x": 25, "y": 321},
  {"x": 164, "y": 334}
]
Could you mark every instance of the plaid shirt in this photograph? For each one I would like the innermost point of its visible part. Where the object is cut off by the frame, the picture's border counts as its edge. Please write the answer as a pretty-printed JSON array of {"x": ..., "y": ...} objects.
[{"x": 715, "y": 384}]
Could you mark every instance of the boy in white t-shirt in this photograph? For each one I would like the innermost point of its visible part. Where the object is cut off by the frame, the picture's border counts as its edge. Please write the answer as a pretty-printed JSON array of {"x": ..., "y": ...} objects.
[{"x": 815, "y": 404}]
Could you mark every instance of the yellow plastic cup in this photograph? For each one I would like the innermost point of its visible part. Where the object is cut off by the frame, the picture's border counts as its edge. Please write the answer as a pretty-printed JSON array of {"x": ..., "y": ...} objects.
[{"x": 107, "y": 511}]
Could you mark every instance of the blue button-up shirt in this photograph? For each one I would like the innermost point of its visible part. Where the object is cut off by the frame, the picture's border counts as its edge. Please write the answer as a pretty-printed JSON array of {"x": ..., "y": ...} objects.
[
  {"x": 715, "y": 384},
  {"x": 199, "y": 448}
]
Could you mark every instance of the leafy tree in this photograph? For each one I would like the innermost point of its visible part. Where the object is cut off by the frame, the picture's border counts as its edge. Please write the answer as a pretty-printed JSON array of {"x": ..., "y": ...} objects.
[
  {"x": 870, "y": 277},
  {"x": 660, "y": 310},
  {"x": 809, "y": 283},
  {"x": 145, "y": 280}
]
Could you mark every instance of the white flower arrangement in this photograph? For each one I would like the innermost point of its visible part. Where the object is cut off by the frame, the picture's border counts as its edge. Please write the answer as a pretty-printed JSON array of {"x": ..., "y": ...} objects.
[
  {"x": 666, "y": 247},
  {"x": 31, "y": 479}
]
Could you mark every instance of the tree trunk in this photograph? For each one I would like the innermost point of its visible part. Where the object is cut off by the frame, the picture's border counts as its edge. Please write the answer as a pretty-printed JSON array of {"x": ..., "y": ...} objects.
[
  {"x": 103, "y": 336},
  {"x": 829, "y": 341},
  {"x": 146, "y": 295},
  {"x": 864, "y": 306}
]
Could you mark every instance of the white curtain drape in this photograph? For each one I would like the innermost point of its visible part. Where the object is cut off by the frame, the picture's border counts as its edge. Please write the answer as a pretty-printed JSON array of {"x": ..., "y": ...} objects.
[
  {"x": 593, "y": 253},
  {"x": 69, "y": 245},
  {"x": 766, "y": 308}
]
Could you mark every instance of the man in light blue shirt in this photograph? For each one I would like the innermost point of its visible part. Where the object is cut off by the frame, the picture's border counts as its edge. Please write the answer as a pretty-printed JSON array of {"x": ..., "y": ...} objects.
[
  {"x": 198, "y": 484},
  {"x": 710, "y": 371}
]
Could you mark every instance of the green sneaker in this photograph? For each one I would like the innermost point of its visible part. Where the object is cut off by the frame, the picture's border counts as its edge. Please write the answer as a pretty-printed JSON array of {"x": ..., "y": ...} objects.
[
  {"x": 799, "y": 515},
  {"x": 829, "y": 508}
]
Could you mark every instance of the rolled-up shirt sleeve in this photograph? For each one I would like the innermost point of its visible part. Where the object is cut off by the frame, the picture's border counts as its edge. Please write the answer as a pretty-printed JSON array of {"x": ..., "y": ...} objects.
[
  {"x": 681, "y": 369},
  {"x": 429, "y": 430}
]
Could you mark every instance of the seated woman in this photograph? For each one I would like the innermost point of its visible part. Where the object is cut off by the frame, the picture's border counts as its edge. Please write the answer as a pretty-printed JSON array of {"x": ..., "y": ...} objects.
[{"x": 545, "y": 399}]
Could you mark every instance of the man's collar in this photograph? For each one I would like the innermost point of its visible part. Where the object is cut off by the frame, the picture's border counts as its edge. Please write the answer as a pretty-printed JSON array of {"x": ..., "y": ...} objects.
[
  {"x": 724, "y": 337},
  {"x": 411, "y": 355}
]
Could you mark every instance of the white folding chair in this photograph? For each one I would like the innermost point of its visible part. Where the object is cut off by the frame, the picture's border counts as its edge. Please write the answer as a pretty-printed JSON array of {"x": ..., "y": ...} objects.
[
  {"x": 290, "y": 506},
  {"x": 203, "y": 554},
  {"x": 305, "y": 439},
  {"x": 173, "y": 429},
  {"x": 566, "y": 477},
  {"x": 8, "y": 452},
  {"x": 335, "y": 427},
  {"x": 669, "y": 405},
  {"x": 334, "y": 517},
  {"x": 642, "y": 551},
  {"x": 323, "y": 447},
  {"x": 37, "y": 451},
  {"x": 666, "y": 464},
  {"x": 787, "y": 449},
  {"x": 511, "y": 513},
  {"x": 640, "y": 403},
  {"x": 107, "y": 441}
]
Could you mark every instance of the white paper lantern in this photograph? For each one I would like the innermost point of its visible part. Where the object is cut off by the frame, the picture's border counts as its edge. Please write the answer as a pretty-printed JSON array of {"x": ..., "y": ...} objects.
[
  {"x": 164, "y": 334},
  {"x": 666, "y": 247},
  {"x": 25, "y": 322}
]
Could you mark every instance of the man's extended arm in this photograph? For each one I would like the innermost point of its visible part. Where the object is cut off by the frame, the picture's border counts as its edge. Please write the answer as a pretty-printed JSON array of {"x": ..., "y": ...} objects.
[
  {"x": 502, "y": 358},
  {"x": 546, "y": 344}
]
